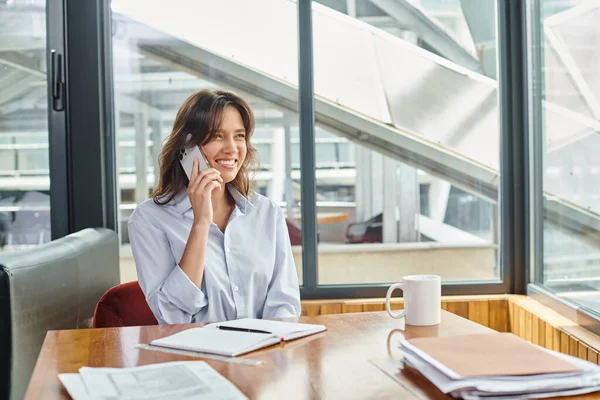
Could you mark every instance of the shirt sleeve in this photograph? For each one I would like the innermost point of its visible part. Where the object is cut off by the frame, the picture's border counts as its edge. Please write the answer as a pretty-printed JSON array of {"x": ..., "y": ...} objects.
[
  {"x": 283, "y": 293},
  {"x": 171, "y": 295}
]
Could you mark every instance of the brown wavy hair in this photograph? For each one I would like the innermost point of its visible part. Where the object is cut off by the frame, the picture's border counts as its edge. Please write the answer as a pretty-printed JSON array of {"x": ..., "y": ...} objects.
[{"x": 201, "y": 116}]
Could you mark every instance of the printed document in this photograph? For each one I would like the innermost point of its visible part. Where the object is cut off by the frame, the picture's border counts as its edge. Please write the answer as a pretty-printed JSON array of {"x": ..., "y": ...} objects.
[{"x": 174, "y": 380}]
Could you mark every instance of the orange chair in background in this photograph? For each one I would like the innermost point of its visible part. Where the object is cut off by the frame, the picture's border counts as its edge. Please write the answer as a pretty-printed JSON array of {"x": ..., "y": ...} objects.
[{"x": 123, "y": 305}]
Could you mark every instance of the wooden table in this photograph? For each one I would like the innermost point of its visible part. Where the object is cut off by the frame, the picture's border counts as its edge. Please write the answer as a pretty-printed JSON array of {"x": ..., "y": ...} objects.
[{"x": 335, "y": 364}]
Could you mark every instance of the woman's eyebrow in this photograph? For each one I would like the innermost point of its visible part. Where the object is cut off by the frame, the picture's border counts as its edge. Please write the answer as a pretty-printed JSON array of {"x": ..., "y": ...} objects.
[{"x": 236, "y": 131}]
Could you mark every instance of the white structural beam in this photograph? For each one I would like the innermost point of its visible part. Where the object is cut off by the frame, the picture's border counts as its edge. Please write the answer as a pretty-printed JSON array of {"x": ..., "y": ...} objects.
[
  {"x": 410, "y": 15},
  {"x": 119, "y": 195},
  {"x": 15, "y": 90},
  {"x": 157, "y": 138},
  {"x": 391, "y": 194},
  {"x": 141, "y": 162},
  {"x": 362, "y": 191},
  {"x": 439, "y": 192},
  {"x": 158, "y": 81},
  {"x": 22, "y": 62},
  {"x": 564, "y": 55},
  {"x": 130, "y": 105},
  {"x": 289, "y": 194},
  {"x": 278, "y": 158},
  {"x": 408, "y": 203},
  {"x": 351, "y": 8},
  {"x": 9, "y": 76},
  {"x": 19, "y": 42}
]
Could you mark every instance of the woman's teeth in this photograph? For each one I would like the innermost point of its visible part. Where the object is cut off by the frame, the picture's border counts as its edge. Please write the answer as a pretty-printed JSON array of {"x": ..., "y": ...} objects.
[{"x": 229, "y": 163}]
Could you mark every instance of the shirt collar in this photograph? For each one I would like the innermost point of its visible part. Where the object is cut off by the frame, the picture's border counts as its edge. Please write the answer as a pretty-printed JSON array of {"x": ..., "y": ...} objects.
[
  {"x": 240, "y": 200},
  {"x": 181, "y": 201}
]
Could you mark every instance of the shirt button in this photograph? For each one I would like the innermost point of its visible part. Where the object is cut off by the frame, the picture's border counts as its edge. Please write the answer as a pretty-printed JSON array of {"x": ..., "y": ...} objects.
[
  {"x": 235, "y": 288},
  {"x": 228, "y": 250}
]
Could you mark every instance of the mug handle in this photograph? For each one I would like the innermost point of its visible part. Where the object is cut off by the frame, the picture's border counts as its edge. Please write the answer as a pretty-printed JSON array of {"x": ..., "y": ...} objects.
[{"x": 388, "y": 297}]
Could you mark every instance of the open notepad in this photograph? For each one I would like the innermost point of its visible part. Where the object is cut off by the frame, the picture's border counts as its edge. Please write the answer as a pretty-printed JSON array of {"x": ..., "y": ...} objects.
[{"x": 215, "y": 340}]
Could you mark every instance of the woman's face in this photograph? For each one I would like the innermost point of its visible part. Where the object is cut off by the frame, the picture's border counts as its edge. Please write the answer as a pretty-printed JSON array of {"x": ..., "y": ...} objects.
[{"x": 226, "y": 152}]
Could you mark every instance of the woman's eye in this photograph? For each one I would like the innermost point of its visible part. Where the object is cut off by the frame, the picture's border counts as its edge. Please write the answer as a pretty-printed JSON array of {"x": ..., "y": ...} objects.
[{"x": 241, "y": 135}]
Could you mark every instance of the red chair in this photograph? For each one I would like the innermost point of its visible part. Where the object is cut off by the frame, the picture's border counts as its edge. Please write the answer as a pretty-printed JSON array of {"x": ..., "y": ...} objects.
[{"x": 123, "y": 305}]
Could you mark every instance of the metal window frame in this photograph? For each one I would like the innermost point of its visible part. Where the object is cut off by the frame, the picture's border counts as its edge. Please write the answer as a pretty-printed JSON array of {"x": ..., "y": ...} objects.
[
  {"x": 512, "y": 75},
  {"x": 535, "y": 138},
  {"x": 578, "y": 313},
  {"x": 308, "y": 178},
  {"x": 81, "y": 135},
  {"x": 514, "y": 227},
  {"x": 58, "y": 143}
]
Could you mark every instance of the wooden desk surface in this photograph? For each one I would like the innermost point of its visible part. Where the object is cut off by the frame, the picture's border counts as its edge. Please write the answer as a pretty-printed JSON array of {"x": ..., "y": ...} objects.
[{"x": 333, "y": 364}]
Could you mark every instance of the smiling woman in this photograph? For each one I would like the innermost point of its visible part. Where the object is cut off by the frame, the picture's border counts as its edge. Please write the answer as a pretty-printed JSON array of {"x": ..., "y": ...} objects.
[{"x": 197, "y": 254}]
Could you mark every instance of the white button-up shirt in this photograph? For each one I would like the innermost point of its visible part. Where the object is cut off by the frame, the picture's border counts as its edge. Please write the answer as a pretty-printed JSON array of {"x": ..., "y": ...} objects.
[{"x": 249, "y": 269}]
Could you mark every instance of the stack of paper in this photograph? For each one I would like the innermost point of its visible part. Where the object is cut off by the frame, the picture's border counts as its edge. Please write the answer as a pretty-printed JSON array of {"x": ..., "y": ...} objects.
[
  {"x": 173, "y": 380},
  {"x": 498, "y": 366}
]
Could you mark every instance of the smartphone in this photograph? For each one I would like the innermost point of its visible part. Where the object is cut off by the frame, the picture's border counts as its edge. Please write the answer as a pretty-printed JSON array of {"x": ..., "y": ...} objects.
[{"x": 186, "y": 158}]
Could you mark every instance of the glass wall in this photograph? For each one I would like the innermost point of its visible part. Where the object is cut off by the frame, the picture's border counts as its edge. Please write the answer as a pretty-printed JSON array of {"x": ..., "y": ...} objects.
[
  {"x": 24, "y": 164},
  {"x": 163, "y": 55},
  {"x": 407, "y": 104},
  {"x": 567, "y": 71}
]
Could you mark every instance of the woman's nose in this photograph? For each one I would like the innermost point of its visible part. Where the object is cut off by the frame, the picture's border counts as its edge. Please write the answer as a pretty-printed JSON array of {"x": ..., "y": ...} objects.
[{"x": 230, "y": 145}]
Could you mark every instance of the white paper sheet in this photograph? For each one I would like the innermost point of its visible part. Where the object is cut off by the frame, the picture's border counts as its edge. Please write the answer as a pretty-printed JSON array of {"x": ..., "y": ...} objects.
[{"x": 175, "y": 380}]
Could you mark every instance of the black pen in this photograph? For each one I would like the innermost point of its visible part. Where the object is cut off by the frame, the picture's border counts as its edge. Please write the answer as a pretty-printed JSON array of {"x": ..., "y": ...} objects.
[{"x": 232, "y": 328}]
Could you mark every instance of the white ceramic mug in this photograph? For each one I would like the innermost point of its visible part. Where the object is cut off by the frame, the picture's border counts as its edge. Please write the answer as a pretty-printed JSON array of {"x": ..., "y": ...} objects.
[{"x": 422, "y": 300}]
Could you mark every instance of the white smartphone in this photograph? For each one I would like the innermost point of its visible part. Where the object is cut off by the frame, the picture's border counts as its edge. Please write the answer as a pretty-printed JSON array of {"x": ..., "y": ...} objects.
[{"x": 186, "y": 158}]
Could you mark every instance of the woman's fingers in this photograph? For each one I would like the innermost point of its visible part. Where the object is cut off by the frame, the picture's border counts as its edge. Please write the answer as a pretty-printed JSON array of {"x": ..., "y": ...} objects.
[
  {"x": 208, "y": 180},
  {"x": 198, "y": 176},
  {"x": 212, "y": 186},
  {"x": 204, "y": 178},
  {"x": 195, "y": 173}
]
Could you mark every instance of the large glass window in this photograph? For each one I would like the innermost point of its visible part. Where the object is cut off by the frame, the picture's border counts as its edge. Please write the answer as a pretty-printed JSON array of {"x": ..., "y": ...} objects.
[
  {"x": 408, "y": 158},
  {"x": 567, "y": 73},
  {"x": 163, "y": 55},
  {"x": 24, "y": 165}
]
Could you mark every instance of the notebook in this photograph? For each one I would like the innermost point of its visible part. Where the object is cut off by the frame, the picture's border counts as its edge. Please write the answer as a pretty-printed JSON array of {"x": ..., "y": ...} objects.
[
  {"x": 224, "y": 338},
  {"x": 489, "y": 354}
]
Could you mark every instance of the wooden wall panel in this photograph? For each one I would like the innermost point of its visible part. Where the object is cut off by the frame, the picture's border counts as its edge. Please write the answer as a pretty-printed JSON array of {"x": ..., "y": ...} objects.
[
  {"x": 352, "y": 307},
  {"x": 516, "y": 327},
  {"x": 535, "y": 326},
  {"x": 331, "y": 308},
  {"x": 479, "y": 311},
  {"x": 311, "y": 310},
  {"x": 556, "y": 340},
  {"x": 374, "y": 307},
  {"x": 528, "y": 322},
  {"x": 499, "y": 318},
  {"x": 582, "y": 351},
  {"x": 541, "y": 332},
  {"x": 564, "y": 342},
  {"x": 573, "y": 346},
  {"x": 592, "y": 355},
  {"x": 549, "y": 333},
  {"x": 511, "y": 317},
  {"x": 460, "y": 308}
]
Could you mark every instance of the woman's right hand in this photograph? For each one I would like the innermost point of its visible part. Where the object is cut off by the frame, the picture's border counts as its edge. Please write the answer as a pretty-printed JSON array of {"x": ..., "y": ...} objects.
[{"x": 199, "y": 191}]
